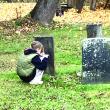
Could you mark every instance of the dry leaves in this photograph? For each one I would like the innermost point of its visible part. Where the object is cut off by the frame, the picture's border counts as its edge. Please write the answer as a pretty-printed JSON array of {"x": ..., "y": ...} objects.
[
  {"x": 10, "y": 11},
  {"x": 87, "y": 16},
  {"x": 14, "y": 10}
]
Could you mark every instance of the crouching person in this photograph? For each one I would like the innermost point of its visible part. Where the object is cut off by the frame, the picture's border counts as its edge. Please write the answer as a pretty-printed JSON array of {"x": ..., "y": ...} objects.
[{"x": 32, "y": 63}]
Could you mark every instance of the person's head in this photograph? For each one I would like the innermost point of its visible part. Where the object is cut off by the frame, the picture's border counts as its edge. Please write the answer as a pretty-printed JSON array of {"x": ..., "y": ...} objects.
[{"x": 38, "y": 46}]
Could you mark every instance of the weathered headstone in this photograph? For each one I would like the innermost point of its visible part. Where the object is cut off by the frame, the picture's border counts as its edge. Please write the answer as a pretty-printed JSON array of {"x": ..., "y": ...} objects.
[
  {"x": 48, "y": 43},
  {"x": 94, "y": 30},
  {"x": 95, "y": 58}
]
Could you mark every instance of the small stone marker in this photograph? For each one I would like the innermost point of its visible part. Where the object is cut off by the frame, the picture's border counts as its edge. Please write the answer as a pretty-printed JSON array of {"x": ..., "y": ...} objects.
[
  {"x": 95, "y": 57},
  {"x": 48, "y": 43}
]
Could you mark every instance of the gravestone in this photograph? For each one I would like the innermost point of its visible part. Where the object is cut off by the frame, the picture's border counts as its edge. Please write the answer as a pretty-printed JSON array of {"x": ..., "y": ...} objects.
[
  {"x": 94, "y": 30},
  {"x": 95, "y": 57},
  {"x": 48, "y": 43}
]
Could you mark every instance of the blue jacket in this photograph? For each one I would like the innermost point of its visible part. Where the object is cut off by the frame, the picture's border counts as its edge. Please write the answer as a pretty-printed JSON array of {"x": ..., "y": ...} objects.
[{"x": 36, "y": 61}]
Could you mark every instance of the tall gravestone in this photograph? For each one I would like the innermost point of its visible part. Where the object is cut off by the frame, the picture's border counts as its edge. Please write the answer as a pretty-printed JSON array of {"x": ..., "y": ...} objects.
[
  {"x": 95, "y": 56},
  {"x": 48, "y": 43}
]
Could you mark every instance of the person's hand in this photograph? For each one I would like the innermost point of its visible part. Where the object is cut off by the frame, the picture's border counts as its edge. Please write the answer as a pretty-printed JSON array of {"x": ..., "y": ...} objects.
[{"x": 44, "y": 55}]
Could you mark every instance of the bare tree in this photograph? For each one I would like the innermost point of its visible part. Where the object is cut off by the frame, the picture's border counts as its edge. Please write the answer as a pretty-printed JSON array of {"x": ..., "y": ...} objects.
[
  {"x": 93, "y": 5},
  {"x": 9, "y": 1},
  {"x": 44, "y": 11},
  {"x": 79, "y": 5},
  {"x": 71, "y": 3},
  {"x": 107, "y": 1}
]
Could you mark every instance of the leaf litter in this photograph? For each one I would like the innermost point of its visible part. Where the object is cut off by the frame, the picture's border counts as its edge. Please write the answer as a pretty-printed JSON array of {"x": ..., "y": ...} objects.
[{"x": 13, "y": 18}]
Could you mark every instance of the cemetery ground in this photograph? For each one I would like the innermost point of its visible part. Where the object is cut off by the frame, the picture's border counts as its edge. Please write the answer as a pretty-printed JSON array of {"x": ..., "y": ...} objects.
[
  {"x": 60, "y": 92},
  {"x": 64, "y": 91}
]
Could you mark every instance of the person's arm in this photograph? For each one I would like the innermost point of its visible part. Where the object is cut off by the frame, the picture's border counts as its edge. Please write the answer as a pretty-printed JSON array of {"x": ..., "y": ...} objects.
[{"x": 40, "y": 64}]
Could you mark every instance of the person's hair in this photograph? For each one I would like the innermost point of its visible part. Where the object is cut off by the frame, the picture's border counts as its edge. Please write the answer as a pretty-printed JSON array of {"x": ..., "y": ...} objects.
[{"x": 37, "y": 44}]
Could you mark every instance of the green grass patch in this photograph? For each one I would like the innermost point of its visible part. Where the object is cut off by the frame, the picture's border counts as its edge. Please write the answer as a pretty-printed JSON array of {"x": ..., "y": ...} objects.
[
  {"x": 63, "y": 91},
  {"x": 60, "y": 92}
]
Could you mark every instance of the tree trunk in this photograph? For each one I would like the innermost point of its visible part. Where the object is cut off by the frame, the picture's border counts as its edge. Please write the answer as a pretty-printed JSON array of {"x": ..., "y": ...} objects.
[
  {"x": 79, "y": 5},
  {"x": 71, "y": 3},
  {"x": 44, "y": 11},
  {"x": 93, "y": 5},
  {"x": 9, "y": 1},
  {"x": 106, "y": 4}
]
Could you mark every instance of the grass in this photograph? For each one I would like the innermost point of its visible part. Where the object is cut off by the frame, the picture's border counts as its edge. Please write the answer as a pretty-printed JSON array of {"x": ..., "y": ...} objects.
[{"x": 62, "y": 92}]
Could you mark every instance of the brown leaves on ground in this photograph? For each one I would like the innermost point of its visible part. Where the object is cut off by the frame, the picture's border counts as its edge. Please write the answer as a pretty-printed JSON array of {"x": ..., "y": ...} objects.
[
  {"x": 10, "y": 11},
  {"x": 12, "y": 21},
  {"x": 87, "y": 16}
]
